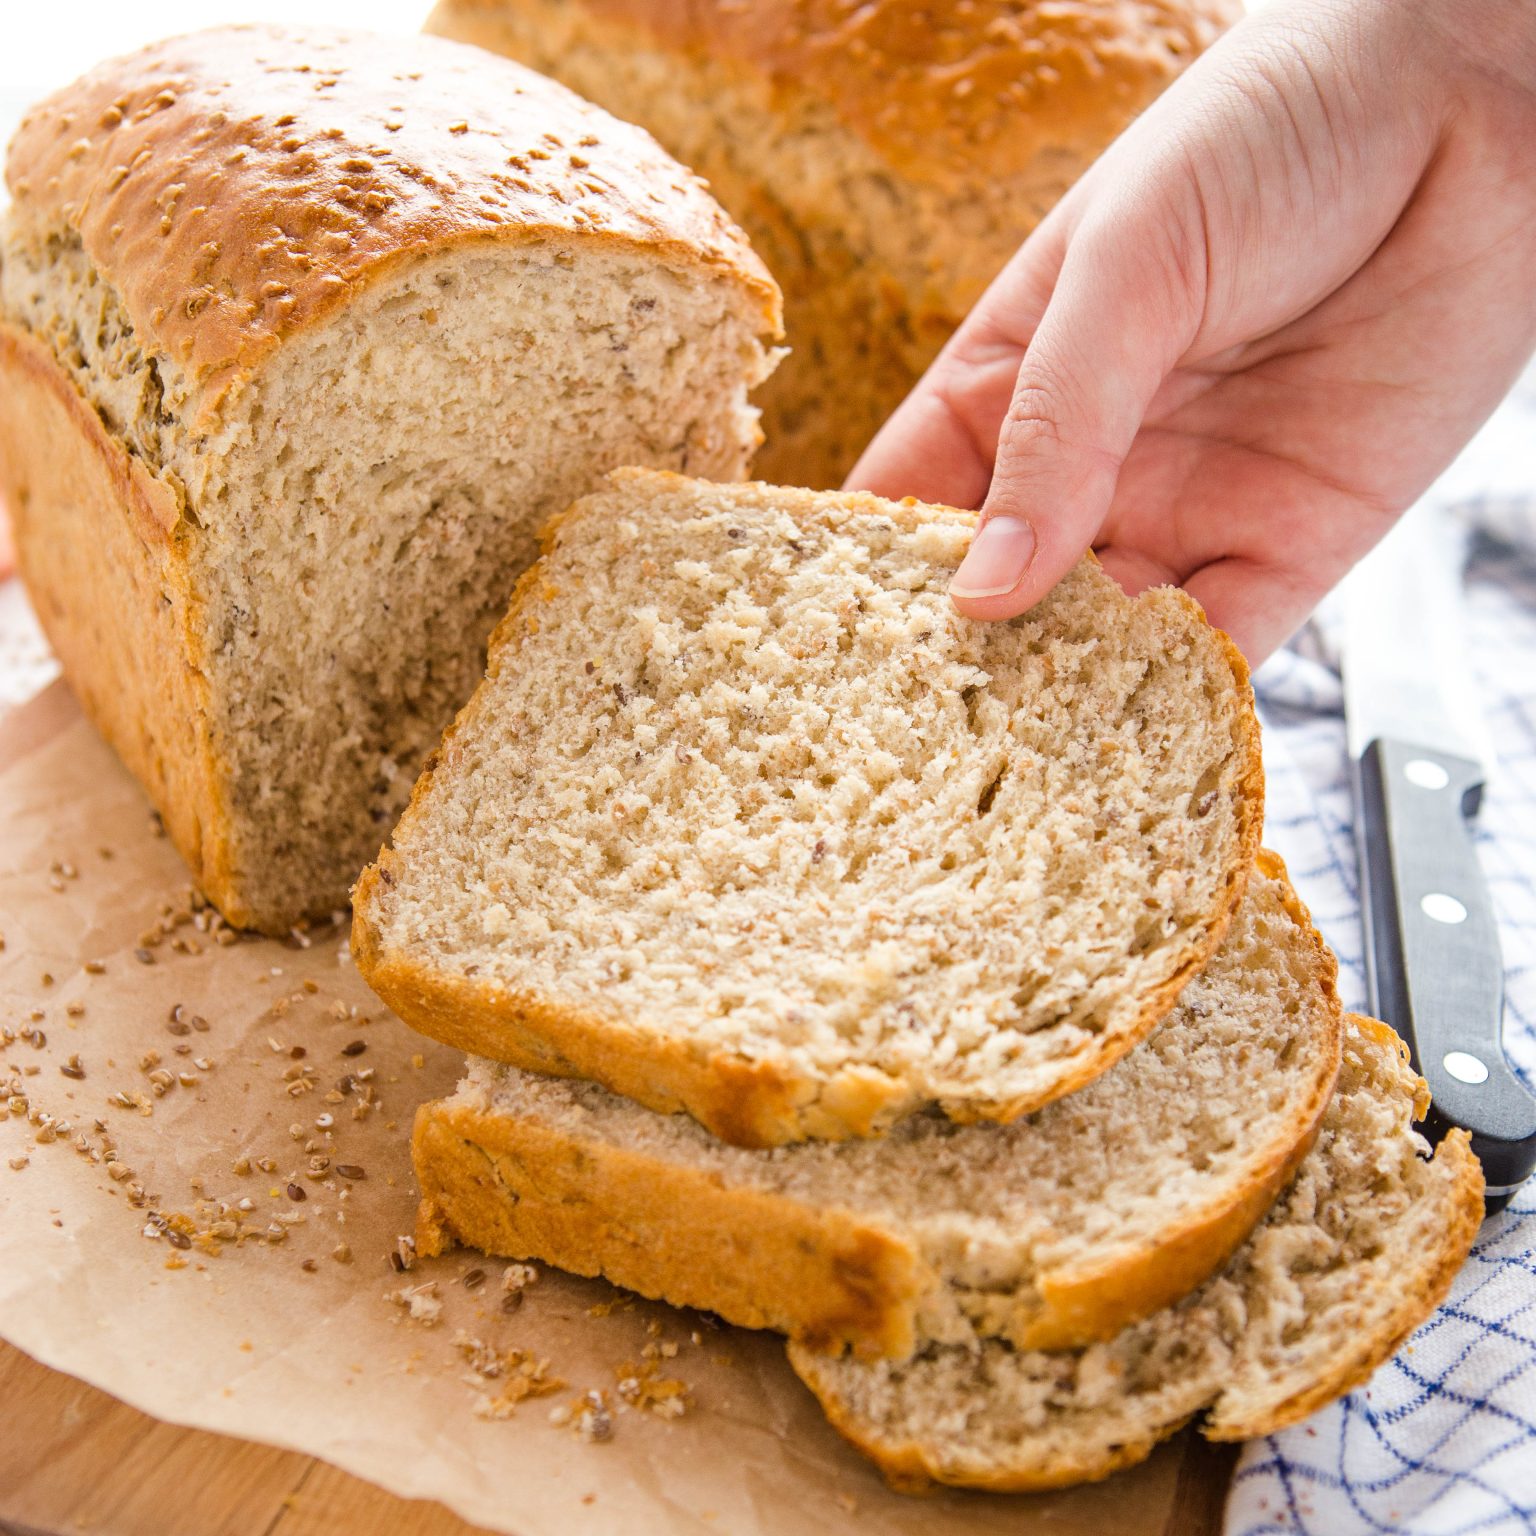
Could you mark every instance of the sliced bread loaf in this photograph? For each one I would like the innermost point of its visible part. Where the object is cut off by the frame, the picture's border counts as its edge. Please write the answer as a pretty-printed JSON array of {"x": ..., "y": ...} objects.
[
  {"x": 303, "y": 334},
  {"x": 1050, "y": 1232},
  {"x": 1353, "y": 1257},
  {"x": 886, "y": 157},
  {"x": 746, "y": 820}
]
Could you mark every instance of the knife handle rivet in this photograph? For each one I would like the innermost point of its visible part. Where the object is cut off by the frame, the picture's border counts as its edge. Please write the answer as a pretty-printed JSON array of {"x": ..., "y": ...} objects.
[
  {"x": 1443, "y": 908},
  {"x": 1465, "y": 1068},
  {"x": 1425, "y": 774}
]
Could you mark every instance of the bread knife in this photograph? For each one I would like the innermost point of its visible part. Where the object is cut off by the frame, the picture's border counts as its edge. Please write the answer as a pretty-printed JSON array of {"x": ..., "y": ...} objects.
[{"x": 1421, "y": 757}]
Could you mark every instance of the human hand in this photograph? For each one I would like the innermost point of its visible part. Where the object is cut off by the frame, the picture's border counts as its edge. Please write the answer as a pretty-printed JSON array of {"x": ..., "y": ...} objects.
[{"x": 1257, "y": 329}]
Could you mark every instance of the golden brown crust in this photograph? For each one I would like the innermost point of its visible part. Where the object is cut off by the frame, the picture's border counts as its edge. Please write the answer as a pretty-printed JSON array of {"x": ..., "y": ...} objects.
[
  {"x": 968, "y": 89},
  {"x": 240, "y": 184},
  {"x": 100, "y": 542},
  {"x": 910, "y": 1466},
  {"x": 749, "y": 1102},
  {"x": 523, "y": 1190}
]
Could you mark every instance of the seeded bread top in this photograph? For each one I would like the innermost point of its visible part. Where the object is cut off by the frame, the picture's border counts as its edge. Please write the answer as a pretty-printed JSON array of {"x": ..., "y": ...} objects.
[
  {"x": 942, "y": 89},
  {"x": 239, "y": 184}
]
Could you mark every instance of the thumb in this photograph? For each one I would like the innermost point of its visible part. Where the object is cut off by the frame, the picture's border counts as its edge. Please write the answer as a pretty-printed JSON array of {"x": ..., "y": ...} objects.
[{"x": 1114, "y": 327}]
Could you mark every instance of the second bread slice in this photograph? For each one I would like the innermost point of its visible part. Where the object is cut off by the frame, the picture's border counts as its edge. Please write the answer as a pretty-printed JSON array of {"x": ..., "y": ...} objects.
[
  {"x": 1048, "y": 1233},
  {"x": 1352, "y": 1258},
  {"x": 746, "y": 820}
]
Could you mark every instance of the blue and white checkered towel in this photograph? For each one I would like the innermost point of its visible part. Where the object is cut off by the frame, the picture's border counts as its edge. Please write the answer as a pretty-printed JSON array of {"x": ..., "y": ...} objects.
[{"x": 1443, "y": 1440}]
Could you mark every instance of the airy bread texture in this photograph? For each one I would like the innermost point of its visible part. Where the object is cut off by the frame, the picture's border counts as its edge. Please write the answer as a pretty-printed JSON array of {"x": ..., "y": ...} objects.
[
  {"x": 886, "y": 158},
  {"x": 302, "y": 334},
  {"x": 1054, "y": 1231},
  {"x": 1354, "y": 1256},
  {"x": 746, "y": 820}
]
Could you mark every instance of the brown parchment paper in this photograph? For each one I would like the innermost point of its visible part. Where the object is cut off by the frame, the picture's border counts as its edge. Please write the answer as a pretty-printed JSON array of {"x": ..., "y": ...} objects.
[{"x": 156, "y": 1286}]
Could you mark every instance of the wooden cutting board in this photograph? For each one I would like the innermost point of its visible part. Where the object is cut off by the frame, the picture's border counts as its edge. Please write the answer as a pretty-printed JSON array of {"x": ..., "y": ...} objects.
[{"x": 75, "y": 1462}]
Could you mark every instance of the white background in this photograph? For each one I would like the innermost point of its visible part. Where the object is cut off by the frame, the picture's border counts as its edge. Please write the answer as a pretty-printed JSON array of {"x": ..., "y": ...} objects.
[{"x": 48, "y": 42}]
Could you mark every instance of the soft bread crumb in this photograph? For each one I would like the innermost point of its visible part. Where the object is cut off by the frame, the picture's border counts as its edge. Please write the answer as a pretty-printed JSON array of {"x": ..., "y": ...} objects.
[
  {"x": 791, "y": 808},
  {"x": 1059, "y": 1228}
]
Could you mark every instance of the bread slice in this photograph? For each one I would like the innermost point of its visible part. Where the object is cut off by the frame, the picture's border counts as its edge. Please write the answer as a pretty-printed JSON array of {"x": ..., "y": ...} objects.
[
  {"x": 303, "y": 335},
  {"x": 1353, "y": 1257},
  {"x": 746, "y": 820},
  {"x": 1050, "y": 1232}
]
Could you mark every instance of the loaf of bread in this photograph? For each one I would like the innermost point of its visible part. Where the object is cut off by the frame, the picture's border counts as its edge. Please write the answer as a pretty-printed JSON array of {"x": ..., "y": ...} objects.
[
  {"x": 1349, "y": 1262},
  {"x": 302, "y": 334},
  {"x": 1049, "y": 1233},
  {"x": 746, "y": 820},
  {"x": 886, "y": 158}
]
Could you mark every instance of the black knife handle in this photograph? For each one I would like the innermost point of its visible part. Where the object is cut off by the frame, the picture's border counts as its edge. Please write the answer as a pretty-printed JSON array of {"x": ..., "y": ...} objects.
[{"x": 1436, "y": 973}]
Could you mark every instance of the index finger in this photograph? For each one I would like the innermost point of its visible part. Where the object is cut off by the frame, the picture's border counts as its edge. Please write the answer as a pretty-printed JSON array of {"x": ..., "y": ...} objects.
[{"x": 940, "y": 444}]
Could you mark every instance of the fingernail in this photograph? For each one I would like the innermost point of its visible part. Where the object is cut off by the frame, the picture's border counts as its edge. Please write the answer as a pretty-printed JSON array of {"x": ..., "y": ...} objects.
[{"x": 997, "y": 559}]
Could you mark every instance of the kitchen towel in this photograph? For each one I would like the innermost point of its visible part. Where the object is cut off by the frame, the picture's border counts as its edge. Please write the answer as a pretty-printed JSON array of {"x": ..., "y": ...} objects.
[{"x": 1442, "y": 1441}]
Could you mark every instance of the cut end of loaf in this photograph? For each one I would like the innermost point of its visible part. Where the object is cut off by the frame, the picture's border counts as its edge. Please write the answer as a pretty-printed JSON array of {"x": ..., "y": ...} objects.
[
  {"x": 746, "y": 820},
  {"x": 349, "y": 434}
]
